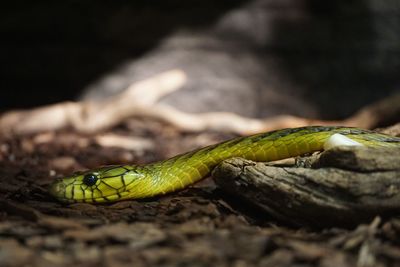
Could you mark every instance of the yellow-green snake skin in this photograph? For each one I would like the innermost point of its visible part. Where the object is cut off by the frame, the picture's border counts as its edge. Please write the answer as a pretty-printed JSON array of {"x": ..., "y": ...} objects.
[{"x": 115, "y": 183}]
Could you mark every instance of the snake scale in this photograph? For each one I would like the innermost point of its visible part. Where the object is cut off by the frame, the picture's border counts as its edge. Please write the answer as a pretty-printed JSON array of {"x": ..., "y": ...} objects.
[{"x": 113, "y": 183}]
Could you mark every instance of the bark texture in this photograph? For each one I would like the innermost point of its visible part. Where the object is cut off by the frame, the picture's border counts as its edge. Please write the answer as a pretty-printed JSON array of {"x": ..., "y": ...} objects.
[{"x": 345, "y": 186}]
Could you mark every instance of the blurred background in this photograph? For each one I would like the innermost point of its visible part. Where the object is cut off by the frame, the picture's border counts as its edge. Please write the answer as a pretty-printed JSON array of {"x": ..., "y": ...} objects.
[
  {"x": 258, "y": 58},
  {"x": 313, "y": 59}
]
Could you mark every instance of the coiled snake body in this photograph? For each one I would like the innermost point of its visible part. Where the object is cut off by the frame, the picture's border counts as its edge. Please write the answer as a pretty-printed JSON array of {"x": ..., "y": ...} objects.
[{"x": 115, "y": 183}]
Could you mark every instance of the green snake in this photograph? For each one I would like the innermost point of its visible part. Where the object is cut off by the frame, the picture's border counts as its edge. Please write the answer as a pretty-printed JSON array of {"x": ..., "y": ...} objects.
[{"x": 114, "y": 183}]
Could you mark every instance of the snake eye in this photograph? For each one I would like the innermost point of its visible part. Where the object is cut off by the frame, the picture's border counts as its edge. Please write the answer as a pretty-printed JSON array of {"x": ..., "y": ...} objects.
[{"x": 90, "y": 179}]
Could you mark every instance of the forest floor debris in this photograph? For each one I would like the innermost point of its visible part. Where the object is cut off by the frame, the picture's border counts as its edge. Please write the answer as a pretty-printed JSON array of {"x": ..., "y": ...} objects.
[{"x": 199, "y": 226}]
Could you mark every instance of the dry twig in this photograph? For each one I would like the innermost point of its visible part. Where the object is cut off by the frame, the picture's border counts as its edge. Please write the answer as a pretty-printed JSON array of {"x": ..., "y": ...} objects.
[{"x": 141, "y": 98}]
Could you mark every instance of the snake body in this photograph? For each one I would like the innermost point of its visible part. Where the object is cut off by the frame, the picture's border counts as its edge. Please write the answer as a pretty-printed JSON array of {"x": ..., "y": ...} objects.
[{"x": 115, "y": 183}]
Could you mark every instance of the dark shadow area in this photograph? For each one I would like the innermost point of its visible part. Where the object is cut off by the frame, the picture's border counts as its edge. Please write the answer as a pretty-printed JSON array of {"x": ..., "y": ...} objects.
[
  {"x": 303, "y": 57},
  {"x": 343, "y": 53},
  {"x": 51, "y": 50}
]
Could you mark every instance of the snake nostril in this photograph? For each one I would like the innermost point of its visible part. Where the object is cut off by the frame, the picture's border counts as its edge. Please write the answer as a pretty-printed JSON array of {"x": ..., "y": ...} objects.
[{"x": 57, "y": 188}]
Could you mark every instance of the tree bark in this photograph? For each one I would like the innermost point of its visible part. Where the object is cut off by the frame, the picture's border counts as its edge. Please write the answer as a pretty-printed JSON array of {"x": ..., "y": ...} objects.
[{"x": 345, "y": 186}]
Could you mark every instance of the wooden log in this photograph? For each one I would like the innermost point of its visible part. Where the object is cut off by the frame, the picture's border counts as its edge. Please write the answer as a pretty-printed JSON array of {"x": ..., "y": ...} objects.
[{"x": 346, "y": 186}]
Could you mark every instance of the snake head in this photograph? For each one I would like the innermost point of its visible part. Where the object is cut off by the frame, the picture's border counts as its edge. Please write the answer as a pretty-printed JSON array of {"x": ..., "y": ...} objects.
[{"x": 105, "y": 184}]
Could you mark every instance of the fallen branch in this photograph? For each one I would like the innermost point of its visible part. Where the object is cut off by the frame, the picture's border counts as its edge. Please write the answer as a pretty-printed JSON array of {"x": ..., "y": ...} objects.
[
  {"x": 350, "y": 185},
  {"x": 92, "y": 116},
  {"x": 141, "y": 99}
]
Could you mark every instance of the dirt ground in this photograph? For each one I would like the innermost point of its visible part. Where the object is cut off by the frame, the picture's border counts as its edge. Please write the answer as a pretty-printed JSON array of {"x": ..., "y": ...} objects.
[{"x": 200, "y": 226}]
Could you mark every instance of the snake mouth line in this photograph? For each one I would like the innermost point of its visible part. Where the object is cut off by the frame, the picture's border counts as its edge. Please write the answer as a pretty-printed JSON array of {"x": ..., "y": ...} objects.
[{"x": 60, "y": 190}]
